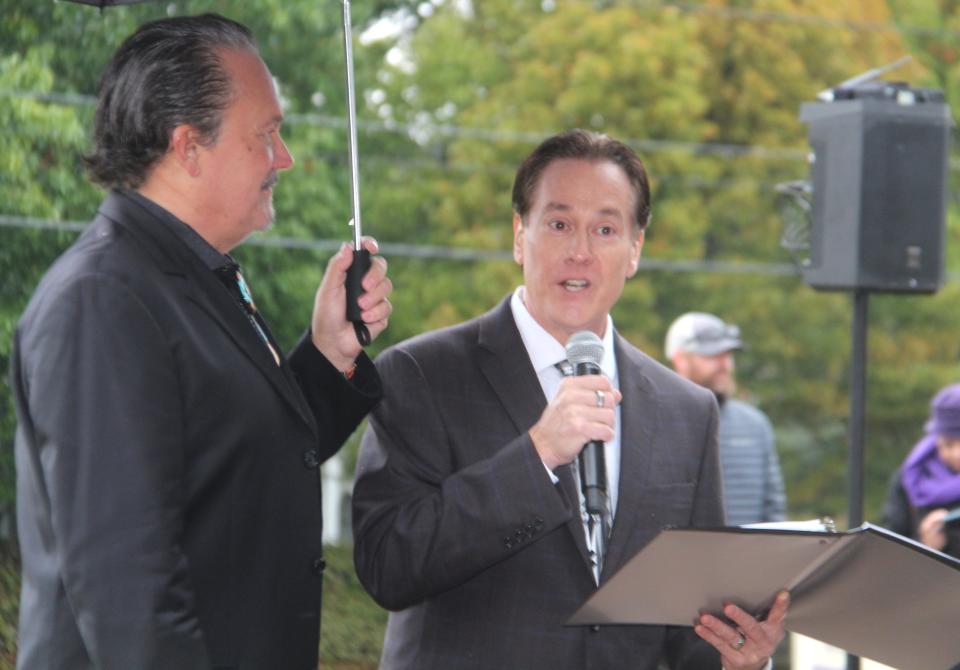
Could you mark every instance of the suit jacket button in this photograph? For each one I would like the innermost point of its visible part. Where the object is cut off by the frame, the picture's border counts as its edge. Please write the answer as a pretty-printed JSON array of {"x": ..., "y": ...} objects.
[
  {"x": 318, "y": 565},
  {"x": 594, "y": 628},
  {"x": 311, "y": 459}
]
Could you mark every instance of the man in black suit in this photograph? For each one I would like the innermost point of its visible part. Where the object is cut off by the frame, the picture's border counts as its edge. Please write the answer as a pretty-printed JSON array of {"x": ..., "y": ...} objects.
[
  {"x": 167, "y": 451},
  {"x": 467, "y": 518}
]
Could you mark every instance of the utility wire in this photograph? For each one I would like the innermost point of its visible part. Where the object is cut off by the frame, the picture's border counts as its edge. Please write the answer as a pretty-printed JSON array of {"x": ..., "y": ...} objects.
[
  {"x": 463, "y": 254},
  {"x": 647, "y": 145},
  {"x": 643, "y": 145},
  {"x": 432, "y": 252},
  {"x": 761, "y": 16}
]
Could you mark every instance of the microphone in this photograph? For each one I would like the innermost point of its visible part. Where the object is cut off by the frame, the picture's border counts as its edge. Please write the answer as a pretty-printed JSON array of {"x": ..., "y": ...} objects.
[{"x": 585, "y": 352}]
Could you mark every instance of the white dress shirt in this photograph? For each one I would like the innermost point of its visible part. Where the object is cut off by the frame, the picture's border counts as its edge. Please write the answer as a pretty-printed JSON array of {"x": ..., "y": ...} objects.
[{"x": 545, "y": 352}]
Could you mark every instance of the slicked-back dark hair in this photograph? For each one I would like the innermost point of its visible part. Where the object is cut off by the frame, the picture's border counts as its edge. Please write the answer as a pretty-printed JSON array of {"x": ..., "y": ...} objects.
[
  {"x": 582, "y": 145},
  {"x": 165, "y": 74}
]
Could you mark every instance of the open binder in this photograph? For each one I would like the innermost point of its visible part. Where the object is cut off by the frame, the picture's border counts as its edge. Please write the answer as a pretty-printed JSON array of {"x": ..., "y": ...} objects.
[{"x": 870, "y": 591}]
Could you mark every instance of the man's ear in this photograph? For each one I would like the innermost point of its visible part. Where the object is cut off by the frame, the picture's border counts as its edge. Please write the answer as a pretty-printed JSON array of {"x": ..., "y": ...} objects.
[
  {"x": 635, "y": 248},
  {"x": 185, "y": 147},
  {"x": 518, "y": 239},
  {"x": 680, "y": 363}
]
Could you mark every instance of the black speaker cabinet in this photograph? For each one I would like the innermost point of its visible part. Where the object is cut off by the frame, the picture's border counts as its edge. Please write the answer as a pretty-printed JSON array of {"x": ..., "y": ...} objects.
[{"x": 879, "y": 166}]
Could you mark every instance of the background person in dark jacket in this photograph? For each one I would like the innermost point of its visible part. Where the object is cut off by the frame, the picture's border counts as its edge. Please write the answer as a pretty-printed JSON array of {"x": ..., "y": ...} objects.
[
  {"x": 167, "y": 451},
  {"x": 927, "y": 485}
]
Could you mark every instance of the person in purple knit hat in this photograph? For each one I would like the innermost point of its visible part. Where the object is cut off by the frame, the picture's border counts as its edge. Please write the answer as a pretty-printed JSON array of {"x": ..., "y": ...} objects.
[{"x": 926, "y": 487}]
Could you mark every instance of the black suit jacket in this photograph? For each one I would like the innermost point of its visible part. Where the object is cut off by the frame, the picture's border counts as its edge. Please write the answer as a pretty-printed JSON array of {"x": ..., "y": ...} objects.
[
  {"x": 459, "y": 530},
  {"x": 167, "y": 469}
]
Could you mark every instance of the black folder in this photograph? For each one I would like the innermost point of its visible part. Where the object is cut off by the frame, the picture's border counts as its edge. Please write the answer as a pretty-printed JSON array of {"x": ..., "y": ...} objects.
[{"x": 870, "y": 591}]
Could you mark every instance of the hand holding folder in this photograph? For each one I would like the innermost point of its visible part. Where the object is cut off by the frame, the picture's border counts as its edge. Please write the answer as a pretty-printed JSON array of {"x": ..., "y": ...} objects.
[{"x": 870, "y": 591}]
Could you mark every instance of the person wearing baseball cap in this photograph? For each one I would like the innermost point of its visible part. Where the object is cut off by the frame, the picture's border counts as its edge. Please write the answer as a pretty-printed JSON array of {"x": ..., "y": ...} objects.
[
  {"x": 700, "y": 347},
  {"x": 926, "y": 488}
]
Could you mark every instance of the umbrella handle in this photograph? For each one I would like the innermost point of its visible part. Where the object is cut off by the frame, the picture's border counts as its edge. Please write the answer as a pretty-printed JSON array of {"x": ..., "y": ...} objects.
[{"x": 354, "y": 285}]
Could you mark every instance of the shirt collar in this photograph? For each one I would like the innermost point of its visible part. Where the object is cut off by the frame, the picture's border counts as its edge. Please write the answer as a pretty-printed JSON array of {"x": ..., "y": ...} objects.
[
  {"x": 212, "y": 258},
  {"x": 542, "y": 347}
]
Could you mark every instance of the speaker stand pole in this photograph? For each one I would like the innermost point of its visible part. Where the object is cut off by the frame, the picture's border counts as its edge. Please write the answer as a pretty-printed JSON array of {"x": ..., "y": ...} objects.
[{"x": 858, "y": 398}]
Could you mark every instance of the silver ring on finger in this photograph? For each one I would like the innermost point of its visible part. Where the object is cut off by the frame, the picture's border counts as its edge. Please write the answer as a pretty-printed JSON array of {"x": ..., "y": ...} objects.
[
  {"x": 600, "y": 398},
  {"x": 738, "y": 645}
]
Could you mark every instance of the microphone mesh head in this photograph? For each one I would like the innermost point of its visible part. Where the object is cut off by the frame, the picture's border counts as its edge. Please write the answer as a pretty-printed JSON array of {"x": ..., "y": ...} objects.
[{"x": 584, "y": 347}]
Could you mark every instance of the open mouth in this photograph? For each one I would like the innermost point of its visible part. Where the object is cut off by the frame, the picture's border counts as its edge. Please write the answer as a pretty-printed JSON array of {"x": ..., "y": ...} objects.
[{"x": 575, "y": 284}]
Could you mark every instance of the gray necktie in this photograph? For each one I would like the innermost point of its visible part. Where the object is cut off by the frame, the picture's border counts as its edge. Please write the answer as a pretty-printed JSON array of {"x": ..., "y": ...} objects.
[{"x": 597, "y": 529}]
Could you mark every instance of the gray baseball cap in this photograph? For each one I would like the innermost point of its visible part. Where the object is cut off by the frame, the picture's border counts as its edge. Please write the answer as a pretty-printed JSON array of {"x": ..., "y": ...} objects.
[{"x": 701, "y": 333}]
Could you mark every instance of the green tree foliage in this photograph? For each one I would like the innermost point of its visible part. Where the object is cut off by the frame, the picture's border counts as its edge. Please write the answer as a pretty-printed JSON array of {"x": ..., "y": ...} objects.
[
  {"x": 931, "y": 28},
  {"x": 709, "y": 94},
  {"x": 38, "y": 178},
  {"x": 450, "y": 102}
]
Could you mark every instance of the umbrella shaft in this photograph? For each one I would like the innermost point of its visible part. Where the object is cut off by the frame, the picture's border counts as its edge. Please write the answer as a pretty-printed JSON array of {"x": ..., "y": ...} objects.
[{"x": 352, "y": 126}]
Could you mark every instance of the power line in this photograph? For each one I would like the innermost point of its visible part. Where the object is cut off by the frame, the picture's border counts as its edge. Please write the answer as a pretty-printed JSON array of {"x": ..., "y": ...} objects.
[
  {"x": 434, "y": 252},
  {"x": 462, "y": 254},
  {"x": 9, "y": 221},
  {"x": 648, "y": 145},
  {"x": 68, "y": 99},
  {"x": 278, "y": 241},
  {"x": 371, "y": 126},
  {"x": 425, "y": 131},
  {"x": 759, "y": 16}
]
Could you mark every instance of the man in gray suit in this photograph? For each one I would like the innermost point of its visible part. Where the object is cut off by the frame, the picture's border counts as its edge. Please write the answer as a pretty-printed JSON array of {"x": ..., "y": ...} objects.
[
  {"x": 167, "y": 450},
  {"x": 467, "y": 518}
]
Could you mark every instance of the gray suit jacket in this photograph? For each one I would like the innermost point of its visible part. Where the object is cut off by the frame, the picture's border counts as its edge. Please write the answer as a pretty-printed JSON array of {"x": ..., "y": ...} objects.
[
  {"x": 459, "y": 530},
  {"x": 168, "y": 492}
]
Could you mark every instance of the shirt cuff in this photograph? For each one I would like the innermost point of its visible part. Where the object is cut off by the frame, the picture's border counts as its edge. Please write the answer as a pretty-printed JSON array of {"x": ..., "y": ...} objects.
[
  {"x": 553, "y": 478},
  {"x": 768, "y": 666}
]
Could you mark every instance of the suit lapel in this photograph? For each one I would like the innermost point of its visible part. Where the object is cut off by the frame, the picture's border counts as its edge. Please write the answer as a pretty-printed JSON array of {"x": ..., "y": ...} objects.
[
  {"x": 504, "y": 362},
  {"x": 200, "y": 286},
  {"x": 638, "y": 424},
  {"x": 210, "y": 296},
  {"x": 506, "y": 365}
]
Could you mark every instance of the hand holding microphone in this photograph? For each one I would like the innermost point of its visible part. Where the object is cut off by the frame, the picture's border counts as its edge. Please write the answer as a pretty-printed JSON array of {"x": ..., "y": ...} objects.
[
  {"x": 576, "y": 423},
  {"x": 575, "y": 417},
  {"x": 585, "y": 353}
]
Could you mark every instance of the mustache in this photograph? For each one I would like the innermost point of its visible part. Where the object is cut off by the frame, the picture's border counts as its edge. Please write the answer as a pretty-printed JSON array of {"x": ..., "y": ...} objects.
[{"x": 270, "y": 181}]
